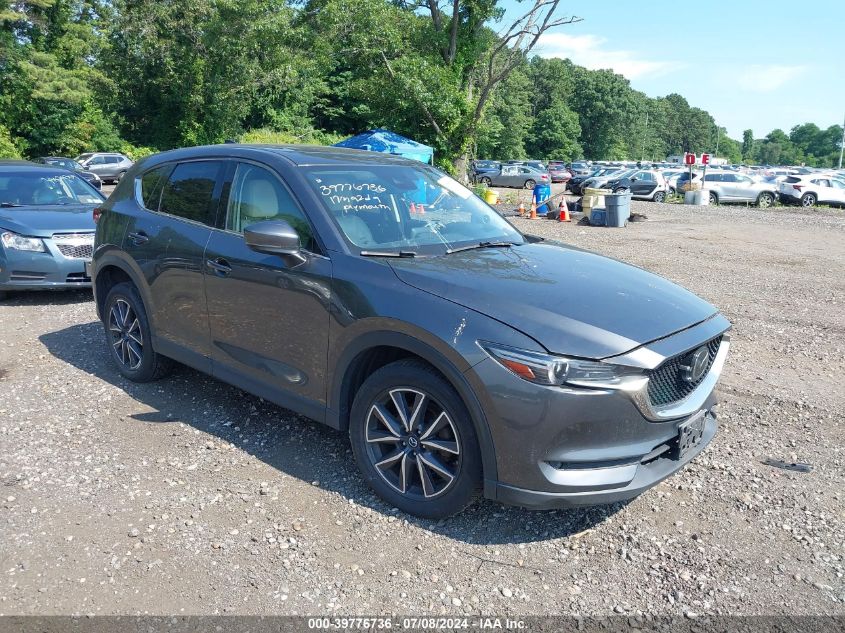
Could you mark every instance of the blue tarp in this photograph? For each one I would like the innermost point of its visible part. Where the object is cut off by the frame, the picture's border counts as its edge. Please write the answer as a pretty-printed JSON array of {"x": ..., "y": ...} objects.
[{"x": 385, "y": 141}]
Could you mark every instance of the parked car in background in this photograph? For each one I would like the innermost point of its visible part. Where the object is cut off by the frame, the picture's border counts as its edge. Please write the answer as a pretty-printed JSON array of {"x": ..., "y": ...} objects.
[
  {"x": 481, "y": 167},
  {"x": 580, "y": 168},
  {"x": 559, "y": 173},
  {"x": 811, "y": 190},
  {"x": 671, "y": 176},
  {"x": 109, "y": 166},
  {"x": 264, "y": 267},
  {"x": 46, "y": 227},
  {"x": 520, "y": 176},
  {"x": 600, "y": 182},
  {"x": 645, "y": 184},
  {"x": 576, "y": 183},
  {"x": 71, "y": 165},
  {"x": 728, "y": 186}
]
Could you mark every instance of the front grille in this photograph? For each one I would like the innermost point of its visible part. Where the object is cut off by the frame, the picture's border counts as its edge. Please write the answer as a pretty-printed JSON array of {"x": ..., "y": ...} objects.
[
  {"x": 667, "y": 383},
  {"x": 75, "y": 245}
]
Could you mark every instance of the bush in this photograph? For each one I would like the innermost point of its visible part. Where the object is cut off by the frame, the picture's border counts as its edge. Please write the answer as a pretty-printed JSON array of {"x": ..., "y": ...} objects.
[
  {"x": 307, "y": 136},
  {"x": 7, "y": 146}
]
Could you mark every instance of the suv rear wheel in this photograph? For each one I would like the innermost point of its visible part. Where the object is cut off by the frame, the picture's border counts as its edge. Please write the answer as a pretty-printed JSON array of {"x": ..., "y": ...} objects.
[
  {"x": 765, "y": 200},
  {"x": 128, "y": 335},
  {"x": 808, "y": 200},
  {"x": 414, "y": 441},
  {"x": 714, "y": 199}
]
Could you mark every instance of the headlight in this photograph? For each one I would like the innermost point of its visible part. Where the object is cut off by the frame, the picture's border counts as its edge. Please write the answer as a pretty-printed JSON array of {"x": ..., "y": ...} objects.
[
  {"x": 20, "y": 243},
  {"x": 548, "y": 369}
]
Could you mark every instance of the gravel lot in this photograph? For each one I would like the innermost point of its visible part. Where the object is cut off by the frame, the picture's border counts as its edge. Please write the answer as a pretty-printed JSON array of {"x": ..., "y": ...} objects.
[{"x": 189, "y": 496}]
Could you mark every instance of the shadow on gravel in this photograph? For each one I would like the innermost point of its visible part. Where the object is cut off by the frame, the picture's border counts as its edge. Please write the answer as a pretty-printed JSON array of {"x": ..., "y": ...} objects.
[
  {"x": 47, "y": 297},
  {"x": 297, "y": 446}
]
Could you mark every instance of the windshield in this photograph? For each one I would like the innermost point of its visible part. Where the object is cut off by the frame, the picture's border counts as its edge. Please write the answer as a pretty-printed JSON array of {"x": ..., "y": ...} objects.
[
  {"x": 395, "y": 208},
  {"x": 64, "y": 163},
  {"x": 31, "y": 188}
]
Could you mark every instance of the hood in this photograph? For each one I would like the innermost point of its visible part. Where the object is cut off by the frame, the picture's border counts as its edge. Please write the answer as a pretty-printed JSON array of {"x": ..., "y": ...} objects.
[
  {"x": 572, "y": 302},
  {"x": 43, "y": 221}
]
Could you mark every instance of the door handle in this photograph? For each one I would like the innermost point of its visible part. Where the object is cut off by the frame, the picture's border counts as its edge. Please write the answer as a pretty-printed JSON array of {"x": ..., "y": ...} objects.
[
  {"x": 138, "y": 238},
  {"x": 220, "y": 266}
]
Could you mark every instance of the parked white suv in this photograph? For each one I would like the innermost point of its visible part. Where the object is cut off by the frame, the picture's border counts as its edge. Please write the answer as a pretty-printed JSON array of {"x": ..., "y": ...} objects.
[{"x": 813, "y": 189}]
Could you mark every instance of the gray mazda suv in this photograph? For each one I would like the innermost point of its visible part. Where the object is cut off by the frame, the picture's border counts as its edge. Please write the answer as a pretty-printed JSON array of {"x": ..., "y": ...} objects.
[{"x": 381, "y": 297}]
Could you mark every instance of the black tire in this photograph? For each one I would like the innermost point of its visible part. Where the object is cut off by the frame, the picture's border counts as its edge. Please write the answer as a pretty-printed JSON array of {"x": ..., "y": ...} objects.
[
  {"x": 660, "y": 196},
  {"x": 672, "y": 191},
  {"x": 620, "y": 190},
  {"x": 485, "y": 181},
  {"x": 808, "y": 200},
  {"x": 530, "y": 184},
  {"x": 765, "y": 200},
  {"x": 128, "y": 336},
  {"x": 373, "y": 441},
  {"x": 714, "y": 199}
]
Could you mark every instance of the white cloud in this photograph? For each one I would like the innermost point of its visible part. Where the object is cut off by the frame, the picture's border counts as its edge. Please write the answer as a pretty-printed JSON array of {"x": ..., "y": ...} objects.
[
  {"x": 767, "y": 78},
  {"x": 589, "y": 51}
]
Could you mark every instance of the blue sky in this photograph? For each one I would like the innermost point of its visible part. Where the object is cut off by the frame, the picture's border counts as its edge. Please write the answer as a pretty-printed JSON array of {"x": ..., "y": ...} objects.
[{"x": 750, "y": 63}]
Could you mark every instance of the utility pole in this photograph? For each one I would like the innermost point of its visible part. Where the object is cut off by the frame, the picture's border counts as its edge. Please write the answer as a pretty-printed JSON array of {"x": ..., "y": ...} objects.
[
  {"x": 842, "y": 145},
  {"x": 716, "y": 154}
]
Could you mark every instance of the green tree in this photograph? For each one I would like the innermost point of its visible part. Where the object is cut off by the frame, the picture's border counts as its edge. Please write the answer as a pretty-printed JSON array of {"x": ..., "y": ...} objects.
[
  {"x": 555, "y": 134},
  {"x": 747, "y": 144}
]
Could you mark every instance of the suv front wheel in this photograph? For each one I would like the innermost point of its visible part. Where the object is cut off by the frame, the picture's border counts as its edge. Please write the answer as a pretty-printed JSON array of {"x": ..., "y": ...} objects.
[
  {"x": 128, "y": 335},
  {"x": 414, "y": 442}
]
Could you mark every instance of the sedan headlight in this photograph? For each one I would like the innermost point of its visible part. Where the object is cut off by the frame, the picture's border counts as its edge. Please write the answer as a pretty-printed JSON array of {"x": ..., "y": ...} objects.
[
  {"x": 20, "y": 243},
  {"x": 548, "y": 369}
]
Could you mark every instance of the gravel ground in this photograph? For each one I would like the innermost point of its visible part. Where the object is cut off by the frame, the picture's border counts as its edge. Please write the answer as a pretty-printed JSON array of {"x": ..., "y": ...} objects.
[{"x": 189, "y": 496}]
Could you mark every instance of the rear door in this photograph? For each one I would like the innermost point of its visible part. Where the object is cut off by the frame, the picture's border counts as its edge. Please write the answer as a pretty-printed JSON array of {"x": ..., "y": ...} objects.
[
  {"x": 168, "y": 242},
  {"x": 269, "y": 314}
]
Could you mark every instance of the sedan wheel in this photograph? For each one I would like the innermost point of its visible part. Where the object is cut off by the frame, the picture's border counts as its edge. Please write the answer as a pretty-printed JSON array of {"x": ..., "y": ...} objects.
[
  {"x": 765, "y": 200},
  {"x": 530, "y": 184},
  {"x": 486, "y": 181},
  {"x": 414, "y": 441}
]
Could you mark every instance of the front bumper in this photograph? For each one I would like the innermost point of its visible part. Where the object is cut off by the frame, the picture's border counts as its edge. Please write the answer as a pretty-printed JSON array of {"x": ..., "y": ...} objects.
[
  {"x": 24, "y": 270},
  {"x": 566, "y": 446}
]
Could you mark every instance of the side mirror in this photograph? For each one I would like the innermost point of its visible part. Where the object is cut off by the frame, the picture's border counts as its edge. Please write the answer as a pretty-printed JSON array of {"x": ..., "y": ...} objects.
[
  {"x": 274, "y": 237},
  {"x": 633, "y": 178}
]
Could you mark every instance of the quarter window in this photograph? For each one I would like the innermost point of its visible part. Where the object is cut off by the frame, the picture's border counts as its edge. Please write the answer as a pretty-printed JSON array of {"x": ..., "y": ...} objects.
[
  {"x": 257, "y": 195},
  {"x": 151, "y": 183},
  {"x": 189, "y": 191}
]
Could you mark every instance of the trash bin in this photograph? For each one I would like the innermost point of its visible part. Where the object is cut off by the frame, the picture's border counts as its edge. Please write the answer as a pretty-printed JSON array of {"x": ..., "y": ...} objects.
[
  {"x": 618, "y": 206},
  {"x": 491, "y": 196},
  {"x": 598, "y": 217},
  {"x": 541, "y": 194}
]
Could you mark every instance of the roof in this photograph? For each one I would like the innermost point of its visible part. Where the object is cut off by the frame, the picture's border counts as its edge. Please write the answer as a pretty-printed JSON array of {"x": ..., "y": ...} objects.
[{"x": 299, "y": 155}]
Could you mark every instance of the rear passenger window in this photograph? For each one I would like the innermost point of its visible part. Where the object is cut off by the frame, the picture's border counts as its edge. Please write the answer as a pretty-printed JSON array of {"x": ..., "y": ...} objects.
[
  {"x": 189, "y": 191},
  {"x": 151, "y": 183},
  {"x": 258, "y": 196}
]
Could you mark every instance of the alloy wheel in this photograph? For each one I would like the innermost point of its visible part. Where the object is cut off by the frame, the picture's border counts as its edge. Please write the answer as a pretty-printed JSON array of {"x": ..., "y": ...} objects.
[
  {"x": 766, "y": 200},
  {"x": 808, "y": 200},
  {"x": 125, "y": 330},
  {"x": 412, "y": 443}
]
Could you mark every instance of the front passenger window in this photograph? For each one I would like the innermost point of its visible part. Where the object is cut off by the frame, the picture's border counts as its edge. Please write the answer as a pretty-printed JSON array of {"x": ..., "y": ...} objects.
[{"x": 258, "y": 196}]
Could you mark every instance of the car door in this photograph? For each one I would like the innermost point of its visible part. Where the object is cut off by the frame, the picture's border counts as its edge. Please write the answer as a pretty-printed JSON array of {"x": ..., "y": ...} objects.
[
  {"x": 643, "y": 185},
  {"x": 268, "y": 314},
  {"x": 97, "y": 164},
  {"x": 837, "y": 191},
  {"x": 745, "y": 189},
  {"x": 167, "y": 241},
  {"x": 823, "y": 190}
]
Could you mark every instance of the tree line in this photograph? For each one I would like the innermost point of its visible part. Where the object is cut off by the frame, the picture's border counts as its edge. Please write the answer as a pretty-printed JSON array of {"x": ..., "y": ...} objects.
[{"x": 140, "y": 76}]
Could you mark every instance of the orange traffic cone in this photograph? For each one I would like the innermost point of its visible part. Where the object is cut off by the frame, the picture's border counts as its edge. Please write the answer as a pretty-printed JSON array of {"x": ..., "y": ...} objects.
[
  {"x": 521, "y": 209},
  {"x": 533, "y": 211},
  {"x": 420, "y": 209},
  {"x": 563, "y": 212},
  {"x": 413, "y": 209}
]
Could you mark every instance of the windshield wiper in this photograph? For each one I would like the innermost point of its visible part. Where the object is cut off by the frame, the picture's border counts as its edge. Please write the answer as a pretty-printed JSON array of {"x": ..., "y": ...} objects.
[
  {"x": 388, "y": 254},
  {"x": 9, "y": 205},
  {"x": 470, "y": 247}
]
